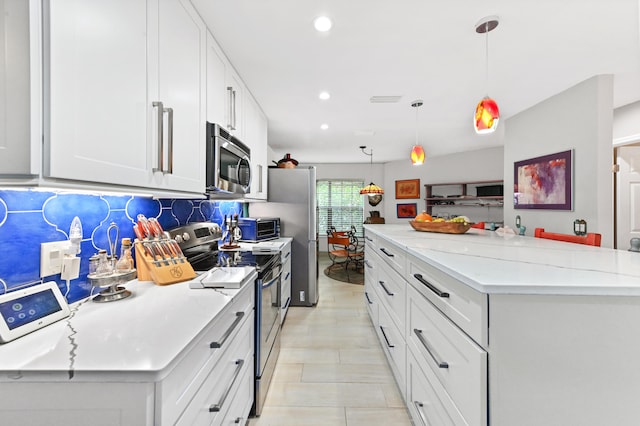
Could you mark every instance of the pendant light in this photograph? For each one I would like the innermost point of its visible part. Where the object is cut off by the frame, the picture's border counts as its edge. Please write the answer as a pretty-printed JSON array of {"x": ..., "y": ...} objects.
[
  {"x": 417, "y": 152},
  {"x": 487, "y": 113},
  {"x": 372, "y": 189}
]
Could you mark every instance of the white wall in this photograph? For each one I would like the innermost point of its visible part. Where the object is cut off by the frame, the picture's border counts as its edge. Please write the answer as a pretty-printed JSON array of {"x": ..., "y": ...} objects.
[
  {"x": 626, "y": 122},
  {"x": 480, "y": 165},
  {"x": 580, "y": 118}
]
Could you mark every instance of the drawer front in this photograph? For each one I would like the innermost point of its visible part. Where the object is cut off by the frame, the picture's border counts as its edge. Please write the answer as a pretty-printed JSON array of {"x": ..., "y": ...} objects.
[
  {"x": 458, "y": 363},
  {"x": 242, "y": 401},
  {"x": 177, "y": 389},
  {"x": 370, "y": 241},
  {"x": 285, "y": 255},
  {"x": 466, "y": 307},
  {"x": 371, "y": 301},
  {"x": 393, "y": 255},
  {"x": 212, "y": 401},
  {"x": 391, "y": 290},
  {"x": 286, "y": 292},
  {"x": 428, "y": 402},
  {"x": 394, "y": 346}
]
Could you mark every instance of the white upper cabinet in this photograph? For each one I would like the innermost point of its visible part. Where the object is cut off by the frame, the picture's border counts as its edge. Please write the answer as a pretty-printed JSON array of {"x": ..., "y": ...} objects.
[
  {"x": 255, "y": 137},
  {"x": 230, "y": 104},
  {"x": 126, "y": 98},
  {"x": 15, "y": 106}
]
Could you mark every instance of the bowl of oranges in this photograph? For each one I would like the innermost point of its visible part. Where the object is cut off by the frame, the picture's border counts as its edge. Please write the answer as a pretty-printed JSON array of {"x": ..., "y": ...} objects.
[{"x": 424, "y": 222}]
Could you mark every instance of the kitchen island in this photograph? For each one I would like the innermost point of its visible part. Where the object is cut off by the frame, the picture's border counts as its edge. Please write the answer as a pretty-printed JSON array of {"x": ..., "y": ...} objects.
[
  {"x": 166, "y": 355},
  {"x": 481, "y": 328}
]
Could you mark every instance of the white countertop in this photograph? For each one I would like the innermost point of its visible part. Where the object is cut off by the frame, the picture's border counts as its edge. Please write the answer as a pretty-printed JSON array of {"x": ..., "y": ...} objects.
[
  {"x": 133, "y": 339},
  {"x": 514, "y": 264}
]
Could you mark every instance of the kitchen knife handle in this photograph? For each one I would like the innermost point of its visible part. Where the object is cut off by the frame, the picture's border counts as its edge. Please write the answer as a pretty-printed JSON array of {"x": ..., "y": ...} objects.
[
  {"x": 170, "y": 140},
  {"x": 225, "y": 336},
  {"x": 440, "y": 364},
  {"x": 431, "y": 287},
  {"x": 214, "y": 408},
  {"x": 160, "y": 130}
]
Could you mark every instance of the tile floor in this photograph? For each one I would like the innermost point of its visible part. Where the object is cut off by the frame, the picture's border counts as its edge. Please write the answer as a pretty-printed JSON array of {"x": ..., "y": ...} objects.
[{"x": 331, "y": 369}]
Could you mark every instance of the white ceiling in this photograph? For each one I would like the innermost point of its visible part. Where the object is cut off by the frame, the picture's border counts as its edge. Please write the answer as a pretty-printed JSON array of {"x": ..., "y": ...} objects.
[{"x": 417, "y": 49}]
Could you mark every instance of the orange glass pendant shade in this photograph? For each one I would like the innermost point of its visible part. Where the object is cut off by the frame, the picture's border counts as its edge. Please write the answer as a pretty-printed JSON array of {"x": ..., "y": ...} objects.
[
  {"x": 371, "y": 190},
  {"x": 417, "y": 155},
  {"x": 487, "y": 116}
]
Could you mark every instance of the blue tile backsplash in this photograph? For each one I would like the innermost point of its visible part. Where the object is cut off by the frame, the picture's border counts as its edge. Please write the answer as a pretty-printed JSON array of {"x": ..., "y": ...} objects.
[{"x": 30, "y": 216}]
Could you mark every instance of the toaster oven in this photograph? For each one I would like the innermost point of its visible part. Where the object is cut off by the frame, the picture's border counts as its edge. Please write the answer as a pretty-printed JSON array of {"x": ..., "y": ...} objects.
[{"x": 254, "y": 229}]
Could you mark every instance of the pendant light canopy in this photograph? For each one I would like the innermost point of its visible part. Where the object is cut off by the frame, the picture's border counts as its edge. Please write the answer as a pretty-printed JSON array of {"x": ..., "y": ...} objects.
[
  {"x": 487, "y": 113},
  {"x": 372, "y": 189},
  {"x": 417, "y": 152}
]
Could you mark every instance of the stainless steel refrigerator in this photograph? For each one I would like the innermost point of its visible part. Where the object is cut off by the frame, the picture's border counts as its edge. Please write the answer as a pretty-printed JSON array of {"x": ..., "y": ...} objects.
[{"x": 292, "y": 198}]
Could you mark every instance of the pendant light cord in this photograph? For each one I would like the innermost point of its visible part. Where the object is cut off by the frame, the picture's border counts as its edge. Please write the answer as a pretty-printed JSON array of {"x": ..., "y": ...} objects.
[{"x": 486, "y": 27}]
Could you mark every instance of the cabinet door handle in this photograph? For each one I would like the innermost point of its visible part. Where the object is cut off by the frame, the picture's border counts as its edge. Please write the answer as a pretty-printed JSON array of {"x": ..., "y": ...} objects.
[
  {"x": 384, "y": 250},
  {"x": 214, "y": 408},
  {"x": 232, "y": 108},
  {"x": 238, "y": 420},
  {"x": 286, "y": 304},
  {"x": 431, "y": 287},
  {"x": 386, "y": 338},
  {"x": 385, "y": 288},
  {"x": 440, "y": 364},
  {"x": 260, "y": 190},
  {"x": 286, "y": 277},
  {"x": 368, "y": 299},
  {"x": 287, "y": 255},
  {"x": 225, "y": 336},
  {"x": 419, "y": 406},
  {"x": 170, "y": 140},
  {"x": 160, "y": 127},
  {"x": 368, "y": 238},
  {"x": 366, "y": 262}
]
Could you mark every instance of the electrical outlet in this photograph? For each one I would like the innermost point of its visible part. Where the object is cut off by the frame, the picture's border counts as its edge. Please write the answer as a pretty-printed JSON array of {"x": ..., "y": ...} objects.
[
  {"x": 51, "y": 255},
  {"x": 302, "y": 296}
]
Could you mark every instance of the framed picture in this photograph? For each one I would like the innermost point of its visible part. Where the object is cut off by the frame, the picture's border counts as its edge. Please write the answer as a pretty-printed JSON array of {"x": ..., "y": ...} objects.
[
  {"x": 407, "y": 189},
  {"x": 544, "y": 182},
  {"x": 407, "y": 211}
]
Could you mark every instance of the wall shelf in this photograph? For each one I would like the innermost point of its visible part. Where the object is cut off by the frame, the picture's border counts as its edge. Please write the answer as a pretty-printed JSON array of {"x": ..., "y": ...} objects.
[{"x": 464, "y": 194}]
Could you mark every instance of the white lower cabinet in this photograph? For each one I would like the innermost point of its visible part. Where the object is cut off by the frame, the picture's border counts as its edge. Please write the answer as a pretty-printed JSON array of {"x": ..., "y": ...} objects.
[
  {"x": 211, "y": 382},
  {"x": 285, "y": 297},
  {"x": 451, "y": 357}
]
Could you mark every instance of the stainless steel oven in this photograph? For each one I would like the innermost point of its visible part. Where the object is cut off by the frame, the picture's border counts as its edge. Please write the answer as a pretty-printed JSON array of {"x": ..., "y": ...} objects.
[{"x": 268, "y": 301}]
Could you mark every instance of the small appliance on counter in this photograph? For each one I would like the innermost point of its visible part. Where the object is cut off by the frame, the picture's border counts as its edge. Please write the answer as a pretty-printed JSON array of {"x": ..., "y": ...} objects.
[{"x": 254, "y": 229}]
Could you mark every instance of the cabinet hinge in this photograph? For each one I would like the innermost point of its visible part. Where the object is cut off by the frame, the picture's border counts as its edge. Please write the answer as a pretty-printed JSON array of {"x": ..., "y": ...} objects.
[{"x": 615, "y": 168}]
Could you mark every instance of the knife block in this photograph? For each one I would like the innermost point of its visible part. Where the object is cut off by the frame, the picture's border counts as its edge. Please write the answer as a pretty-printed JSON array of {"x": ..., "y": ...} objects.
[{"x": 161, "y": 272}]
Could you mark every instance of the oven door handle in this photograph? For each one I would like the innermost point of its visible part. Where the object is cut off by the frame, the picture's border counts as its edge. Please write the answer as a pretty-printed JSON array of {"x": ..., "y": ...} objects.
[{"x": 273, "y": 281}]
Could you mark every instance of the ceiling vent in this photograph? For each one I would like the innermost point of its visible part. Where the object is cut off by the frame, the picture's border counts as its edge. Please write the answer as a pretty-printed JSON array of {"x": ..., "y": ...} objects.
[{"x": 384, "y": 99}]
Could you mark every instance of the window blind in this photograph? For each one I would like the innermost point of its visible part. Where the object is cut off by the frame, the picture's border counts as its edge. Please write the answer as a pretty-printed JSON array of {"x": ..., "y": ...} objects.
[{"x": 339, "y": 205}]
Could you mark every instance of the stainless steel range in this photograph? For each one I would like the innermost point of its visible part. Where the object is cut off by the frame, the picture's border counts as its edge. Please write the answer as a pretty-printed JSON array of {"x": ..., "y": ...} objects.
[{"x": 199, "y": 242}]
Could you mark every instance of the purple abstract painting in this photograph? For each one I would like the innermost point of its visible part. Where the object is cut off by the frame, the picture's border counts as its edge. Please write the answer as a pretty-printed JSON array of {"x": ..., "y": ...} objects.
[{"x": 543, "y": 182}]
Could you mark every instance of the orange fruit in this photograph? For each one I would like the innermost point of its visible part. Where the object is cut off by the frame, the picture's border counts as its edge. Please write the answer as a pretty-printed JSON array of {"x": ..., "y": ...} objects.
[{"x": 424, "y": 217}]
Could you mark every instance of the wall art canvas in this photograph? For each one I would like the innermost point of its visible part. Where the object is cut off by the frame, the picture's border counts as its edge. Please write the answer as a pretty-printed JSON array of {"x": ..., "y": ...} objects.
[
  {"x": 544, "y": 182},
  {"x": 407, "y": 211},
  {"x": 407, "y": 189}
]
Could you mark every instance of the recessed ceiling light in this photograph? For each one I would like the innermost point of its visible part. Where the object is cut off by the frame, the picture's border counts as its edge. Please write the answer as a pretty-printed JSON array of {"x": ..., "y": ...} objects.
[
  {"x": 322, "y": 23},
  {"x": 324, "y": 95},
  {"x": 324, "y": 126}
]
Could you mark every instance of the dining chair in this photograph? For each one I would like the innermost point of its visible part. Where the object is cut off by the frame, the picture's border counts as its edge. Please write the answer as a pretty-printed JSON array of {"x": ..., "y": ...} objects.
[{"x": 591, "y": 239}]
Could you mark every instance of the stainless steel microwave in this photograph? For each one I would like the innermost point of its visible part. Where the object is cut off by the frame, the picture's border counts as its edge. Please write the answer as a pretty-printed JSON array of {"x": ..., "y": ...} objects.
[{"x": 228, "y": 164}]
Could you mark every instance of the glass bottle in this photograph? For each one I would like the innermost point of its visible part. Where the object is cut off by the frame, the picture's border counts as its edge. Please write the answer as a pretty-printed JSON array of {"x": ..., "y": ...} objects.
[
  {"x": 125, "y": 262},
  {"x": 104, "y": 267}
]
